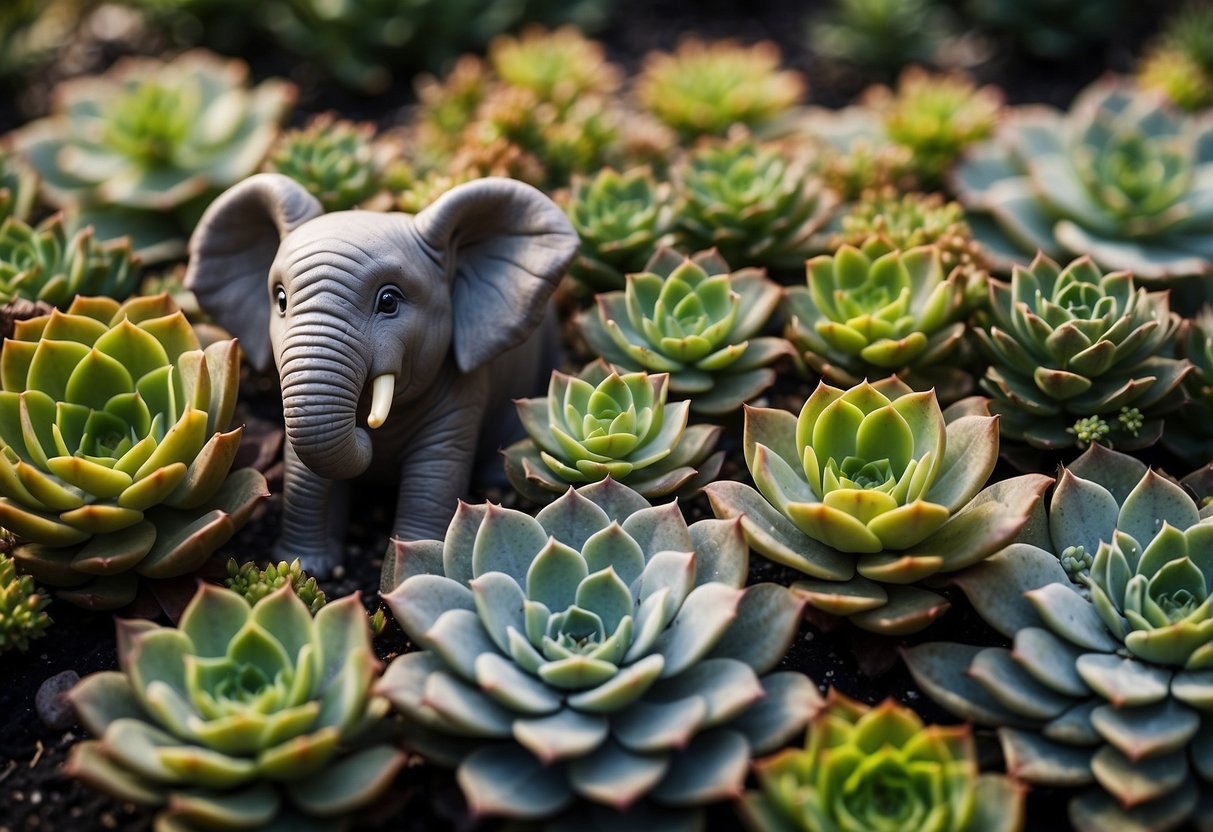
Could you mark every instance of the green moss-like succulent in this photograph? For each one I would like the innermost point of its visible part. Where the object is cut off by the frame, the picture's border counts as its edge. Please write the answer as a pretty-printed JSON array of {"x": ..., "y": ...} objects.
[
  {"x": 876, "y": 480},
  {"x": 1107, "y": 685},
  {"x": 47, "y": 263},
  {"x": 243, "y": 717},
  {"x": 115, "y": 453},
  {"x": 693, "y": 318},
  {"x": 23, "y": 615},
  {"x": 601, "y": 424},
  {"x": 334, "y": 159},
  {"x": 602, "y": 651},
  {"x": 253, "y": 583},
  {"x": 881, "y": 768}
]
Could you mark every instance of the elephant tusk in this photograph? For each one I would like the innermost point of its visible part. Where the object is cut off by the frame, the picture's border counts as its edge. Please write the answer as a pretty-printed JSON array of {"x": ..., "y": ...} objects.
[{"x": 382, "y": 390}]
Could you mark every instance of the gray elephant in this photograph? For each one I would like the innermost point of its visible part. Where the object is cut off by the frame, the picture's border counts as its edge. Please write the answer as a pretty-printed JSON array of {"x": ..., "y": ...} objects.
[{"x": 421, "y": 327}]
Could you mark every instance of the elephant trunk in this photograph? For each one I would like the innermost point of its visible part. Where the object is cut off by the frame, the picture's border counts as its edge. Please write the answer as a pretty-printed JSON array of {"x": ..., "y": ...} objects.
[{"x": 321, "y": 388}]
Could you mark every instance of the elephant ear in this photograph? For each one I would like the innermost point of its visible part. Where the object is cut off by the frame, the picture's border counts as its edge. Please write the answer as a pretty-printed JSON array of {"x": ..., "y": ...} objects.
[
  {"x": 234, "y": 247},
  {"x": 508, "y": 245}
]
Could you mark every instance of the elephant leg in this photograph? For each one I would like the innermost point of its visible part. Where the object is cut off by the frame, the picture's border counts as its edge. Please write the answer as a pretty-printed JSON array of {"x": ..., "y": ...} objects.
[
  {"x": 312, "y": 522},
  {"x": 435, "y": 474}
]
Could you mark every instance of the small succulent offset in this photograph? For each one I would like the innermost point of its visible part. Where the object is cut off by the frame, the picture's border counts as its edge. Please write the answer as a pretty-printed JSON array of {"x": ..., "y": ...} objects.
[
  {"x": 600, "y": 424},
  {"x": 114, "y": 460},
  {"x": 47, "y": 263},
  {"x": 603, "y": 650},
  {"x": 706, "y": 88},
  {"x": 1079, "y": 356},
  {"x": 621, "y": 219},
  {"x": 880, "y": 768},
  {"x": 1123, "y": 176},
  {"x": 1180, "y": 61},
  {"x": 240, "y": 718},
  {"x": 871, "y": 311},
  {"x": 139, "y": 150},
  {"x": 875, "y": 480},
  {"x": 692, "y": 318},
  {"x": 758, "y": 204},
  {"x": 334, "y": 159},
  {"x": 23, "y": 615},
  {"x": 1108, "y": 682},
  {"x": 253, "y": 583}
]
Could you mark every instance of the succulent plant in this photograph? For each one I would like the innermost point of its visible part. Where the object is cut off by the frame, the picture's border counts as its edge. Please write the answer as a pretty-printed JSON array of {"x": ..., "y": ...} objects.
[
  {"x": 602, "y": 650},
  {"x": 871, "y": 311},
  {"x": 558, "y": 66},
  {"x": 1107, "y": 683},
  {"x": 1077, "y": 345},
  {"x": 875, "y": 480},
  {"x": 692, "y": 318},
  {"x": 334, "y": 159},
  {"x": 243, "y": 717},
  {"x": 253, "y": 583},
  {"x": 758, "y": 204},
  {"x": 706, "y": 88},
  {"x": 1123, "y": 176},
  {"x": 47, "y": 263},
  {"x": 1050, "y": 29},
  {"x": 18, "y": 188},
  {"x": 881, "y": 768},
  {"x": 114, "y": 462},
  {"x": 621, "y": 219},
  {"x": 1179, "y": 63},
  {"x": 23, "y": 615},
  {"x": 854, "y": 156},
  {"x": 880, "y": 35},
  {"x": 139, "y": 150},
  {"x": 600, "y": 424},
  {"x": 1189, "y": 429}
]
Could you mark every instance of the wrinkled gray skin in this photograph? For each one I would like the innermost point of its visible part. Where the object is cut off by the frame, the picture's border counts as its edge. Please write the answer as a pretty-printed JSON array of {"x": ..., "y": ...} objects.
[{"x": 471, "y": 276}]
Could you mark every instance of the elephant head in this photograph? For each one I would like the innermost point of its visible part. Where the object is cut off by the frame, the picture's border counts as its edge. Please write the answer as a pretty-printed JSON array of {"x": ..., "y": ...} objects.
[{"x": 360, "y": 305}]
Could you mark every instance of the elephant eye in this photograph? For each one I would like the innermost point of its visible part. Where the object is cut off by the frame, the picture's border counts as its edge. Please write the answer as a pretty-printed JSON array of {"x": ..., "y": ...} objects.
[
  {"x": 389, "y": 300},
  {"x": 280, "y": 298}
]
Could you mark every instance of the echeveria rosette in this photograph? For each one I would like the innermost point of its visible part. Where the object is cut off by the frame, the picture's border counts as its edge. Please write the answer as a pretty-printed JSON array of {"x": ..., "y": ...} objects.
[
  {"x": 115, "y": 453},
  {"x": 601, "y": 651},
  {"x": 139, "y": 150},
  {"x": 336, "y": 160},
  {"x": 600, "y": 424},
  {"x": 694, "y": 319},
  {"x": 46, "y": 263},
  {"x": 880, "y": 768},
  {"x": 876, "y": 480},
  {"x": 1123, "y": 176},
  {"x": 1108, "y": 680},
  {"x": 1074, "y": 343},
  {"x": 870, "y": 311},
  {"x": 242, "y": 717}
]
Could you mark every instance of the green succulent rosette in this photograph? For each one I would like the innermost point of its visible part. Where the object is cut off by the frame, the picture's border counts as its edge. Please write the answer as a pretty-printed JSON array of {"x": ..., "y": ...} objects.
[
  {"x": 1107, "y": 685},
  {"x": 621, "y": 218},
  {"x": 880, "y": 768},
  {"x": 1070, "y": 344},
  {"x": 140, "y": 150},
  {"x": 694, "y": 319},
  {"x": 870, "y": 311},
  {"x": 1123, "y": 176},
  {"x": 875, "y": 480},
  {"x": 601, "y": 424},
  {"x": 334, "y": 159},
  {"x": 603, "y": 651},
  {"x": 47, "y": 263},
  {"x": 241, "y": 717},
  {"x": 23, "y": 615},
  {"x": 558, "y": 65},
  {"x": 115, "y": 458}
]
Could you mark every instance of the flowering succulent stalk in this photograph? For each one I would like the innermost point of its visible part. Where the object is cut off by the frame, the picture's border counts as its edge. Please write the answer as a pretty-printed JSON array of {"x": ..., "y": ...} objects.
[
  {"x": 880, "y": 768},
  {"x": 47, "y": 263},
  {"x": 601, "y": 424},
  {"x": 875, "y": 480},
  {"x": 253, "y": 583},
  {"x": 334, "y": 159},
  {"x": 115, "y": 458},
  {"x": 23, "y": 615},
  {"x": 242, "y": 717},
  {"x": 692, "y": 318},
  {"x": 603, "y": 650}
]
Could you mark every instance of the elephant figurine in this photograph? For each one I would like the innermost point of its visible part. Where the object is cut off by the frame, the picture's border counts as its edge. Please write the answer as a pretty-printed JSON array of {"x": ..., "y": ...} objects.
[{"x": 421, "y": 327}]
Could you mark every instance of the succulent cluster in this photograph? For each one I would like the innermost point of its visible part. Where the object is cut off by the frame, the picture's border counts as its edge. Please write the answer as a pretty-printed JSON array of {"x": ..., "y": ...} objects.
[
  {"x": 23, "y": 616},
  {"x": 46, "y": 263},
  {"x": 253, "y": 583},
  {"x": 335, "y": 160}
]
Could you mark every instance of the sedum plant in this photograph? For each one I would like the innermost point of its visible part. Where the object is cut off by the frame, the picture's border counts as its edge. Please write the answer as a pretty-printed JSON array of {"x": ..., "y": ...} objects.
[
  {"x": 1107, "y": 685},
  {"x": 253, "y": 583},
  {"x": 870, "y": 311},
  {"x": 23, "y": 615},
  {"x": 873, "y": 489},
  {"x": 603, "y": 650},
  {"x": 692, "y": 318},
  {"x": 47, "y": 263},
  {"x": 1077, "y": 356},
  {"x": 706, "y": 88},
  {"x": 1123, "y": 177},
  {"x": 115, "y": 458},
  {"x": 881, "y": 768},
  {"x": 242, "y": 717},
  {"x": 333, "y": 158},
  {"x": 140, "y": 150},
  {"x": 601, "y": 424}
]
